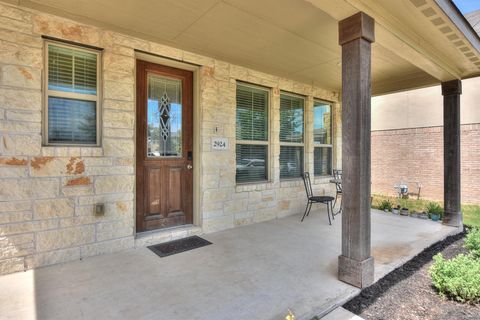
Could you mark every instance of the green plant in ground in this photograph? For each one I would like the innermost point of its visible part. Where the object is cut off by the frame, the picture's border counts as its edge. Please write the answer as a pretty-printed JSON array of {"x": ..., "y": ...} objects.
[
  {"x": 471, "y": 215},
  {"x": 472, "y": 242},
  {"x": 385, "y": 205},
  {"x": 457, "y": 278}
]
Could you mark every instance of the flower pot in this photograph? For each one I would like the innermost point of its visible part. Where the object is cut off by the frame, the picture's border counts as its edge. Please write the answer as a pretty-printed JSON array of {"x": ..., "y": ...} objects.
[
  {"x": 404, "y": 212},
  {"x": 423, "y": 215},
  {"x": 395, "y": 210},
  {"x": 435, "y": 216},
  {"x": 386, "y": 210},
  {"x": 414, "y": 214}
]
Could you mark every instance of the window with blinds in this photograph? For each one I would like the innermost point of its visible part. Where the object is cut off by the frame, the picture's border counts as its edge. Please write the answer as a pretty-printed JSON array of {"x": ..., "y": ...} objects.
[
  {"x": 291, "y": 136},
  {"x": 72, "y": 95},
  {"x": 322, "y": 138},
  {"x": 252, "y": 134}
]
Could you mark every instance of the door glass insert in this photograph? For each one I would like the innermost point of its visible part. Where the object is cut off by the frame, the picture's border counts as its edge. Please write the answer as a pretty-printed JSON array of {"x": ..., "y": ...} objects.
[{"x": 164, "y": 116}]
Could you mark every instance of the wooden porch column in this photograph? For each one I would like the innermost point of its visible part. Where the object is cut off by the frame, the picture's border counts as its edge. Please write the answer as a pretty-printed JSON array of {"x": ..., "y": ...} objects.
[
  {"x": 451, "y": 92},
  {"x": 355, "y": 265}
]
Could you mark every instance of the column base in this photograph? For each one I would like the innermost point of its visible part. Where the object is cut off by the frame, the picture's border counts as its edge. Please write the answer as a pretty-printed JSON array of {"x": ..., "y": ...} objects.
[
  {"x": 453, "y": 219},
  {"x": 357, "y": 273}
]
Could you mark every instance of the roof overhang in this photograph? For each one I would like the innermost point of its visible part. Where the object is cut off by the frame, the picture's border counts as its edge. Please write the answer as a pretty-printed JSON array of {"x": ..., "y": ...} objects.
[
  {"x": 419, "y": 43},
  {"x": 459, "y": 20}
]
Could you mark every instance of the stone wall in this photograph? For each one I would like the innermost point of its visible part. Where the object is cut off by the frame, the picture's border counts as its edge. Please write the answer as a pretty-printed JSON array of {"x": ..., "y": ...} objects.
[
  {"x": 417, "y": 155},
  {"x": 47, "y": 194}
]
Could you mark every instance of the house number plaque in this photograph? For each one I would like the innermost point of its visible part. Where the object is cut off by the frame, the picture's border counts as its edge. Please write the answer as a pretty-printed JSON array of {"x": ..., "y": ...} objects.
[{"x": 219, "y": 143}]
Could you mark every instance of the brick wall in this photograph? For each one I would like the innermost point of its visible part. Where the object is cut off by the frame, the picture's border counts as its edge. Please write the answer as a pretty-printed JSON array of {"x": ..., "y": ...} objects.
[
  {"x": 417, "y": 155},
  {"x": 47, "y": 194}
]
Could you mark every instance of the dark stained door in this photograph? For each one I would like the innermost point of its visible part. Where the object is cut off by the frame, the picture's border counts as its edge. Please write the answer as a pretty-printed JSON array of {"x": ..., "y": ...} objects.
[{"x": 164, "y": 172}]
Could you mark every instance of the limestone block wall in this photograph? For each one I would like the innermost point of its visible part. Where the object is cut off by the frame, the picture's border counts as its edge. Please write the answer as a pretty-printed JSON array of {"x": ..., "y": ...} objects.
[
  {"x": 47, "y": 194},
  {"x": 225, "y": 204}
]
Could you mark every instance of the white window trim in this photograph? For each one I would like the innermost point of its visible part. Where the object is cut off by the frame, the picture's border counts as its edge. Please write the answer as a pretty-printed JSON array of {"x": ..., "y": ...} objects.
[
  {"x": 78, "y": 96},
  {"x": 294, "y": 144},
  {"x": 322, "y": 145},
  {"x": 267, "y": 142}
]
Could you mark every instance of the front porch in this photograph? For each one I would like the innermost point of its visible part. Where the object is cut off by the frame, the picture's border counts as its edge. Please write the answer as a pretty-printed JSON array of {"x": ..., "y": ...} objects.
[{"x": 252, "y": 272}]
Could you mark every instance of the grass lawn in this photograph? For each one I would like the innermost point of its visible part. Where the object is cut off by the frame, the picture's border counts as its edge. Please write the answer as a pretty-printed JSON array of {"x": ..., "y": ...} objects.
[{"x": 471, "y": 212}]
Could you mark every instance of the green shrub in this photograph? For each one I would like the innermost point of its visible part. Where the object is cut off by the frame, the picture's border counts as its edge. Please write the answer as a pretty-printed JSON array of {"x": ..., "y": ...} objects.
[
  {"x": 472, "y": 242},
  {"x": 457, "y": 278},
  {"x": 385, "y": 204}
]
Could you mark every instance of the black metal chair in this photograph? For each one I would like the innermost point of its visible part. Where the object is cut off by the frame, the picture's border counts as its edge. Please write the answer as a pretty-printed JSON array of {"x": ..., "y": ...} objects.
[
  {"x": 337, "y": 176},
  {"x": 311, "y": 199}
]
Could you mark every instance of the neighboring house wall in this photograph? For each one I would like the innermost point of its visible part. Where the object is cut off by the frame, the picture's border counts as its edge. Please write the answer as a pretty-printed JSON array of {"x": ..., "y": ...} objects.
[
  {"x": 407, "y": 141},
  {"x": 47, "y": 194},
  {"x": 423, "y": 107},
  {"x": 416, "y": 155}
]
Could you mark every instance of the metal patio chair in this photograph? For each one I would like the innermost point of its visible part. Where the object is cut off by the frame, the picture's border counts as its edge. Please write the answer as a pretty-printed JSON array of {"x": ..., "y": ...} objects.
[
  {"x": 311, "y": 199},
  {"x": 337, "y": 176}
]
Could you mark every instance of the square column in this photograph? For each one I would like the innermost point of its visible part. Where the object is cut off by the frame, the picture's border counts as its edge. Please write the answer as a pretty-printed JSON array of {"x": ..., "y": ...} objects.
[
  {"x": 451, "y": 91},
  {"x": 355, "y": 265}
]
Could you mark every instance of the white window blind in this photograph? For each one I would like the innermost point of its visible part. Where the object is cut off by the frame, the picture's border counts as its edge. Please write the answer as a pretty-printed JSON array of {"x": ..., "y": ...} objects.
[
  {"x": 291, "y": 136},
  {"x": 252, "y": 134},
  {"x": 71, "y": 70},
  {"x": 72, "y": 95}
]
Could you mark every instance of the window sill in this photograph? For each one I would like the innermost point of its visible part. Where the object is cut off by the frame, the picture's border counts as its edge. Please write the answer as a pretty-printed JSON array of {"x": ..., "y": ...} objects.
[
  {"x": 292, "y": 182},
  {"x": 253, "y": 186},
  {"x": 72, "y": 151},
  {"x": 322, "y": 179}
]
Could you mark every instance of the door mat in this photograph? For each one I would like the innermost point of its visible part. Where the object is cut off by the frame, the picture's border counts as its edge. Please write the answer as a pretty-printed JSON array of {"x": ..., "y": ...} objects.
[{"x": 177, "y": 246}]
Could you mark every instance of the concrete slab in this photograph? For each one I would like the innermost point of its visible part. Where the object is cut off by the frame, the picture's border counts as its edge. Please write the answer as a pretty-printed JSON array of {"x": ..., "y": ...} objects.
[
  {"x": 253, "y": 272},
  {"x": 341, "y": 314}
]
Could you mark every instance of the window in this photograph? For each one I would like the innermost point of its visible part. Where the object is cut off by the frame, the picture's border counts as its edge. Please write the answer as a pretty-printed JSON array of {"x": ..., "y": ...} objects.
[
  {"x": 291, "y": 136},
  {"x": 322, "y": 138},
  {"x": 72, "y": 95},
  {"x": 252, "y": 134}
]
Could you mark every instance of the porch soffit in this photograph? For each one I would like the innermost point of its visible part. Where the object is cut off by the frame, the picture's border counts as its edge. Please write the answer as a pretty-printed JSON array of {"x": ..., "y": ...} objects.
[{"x": 417, "y": 45}]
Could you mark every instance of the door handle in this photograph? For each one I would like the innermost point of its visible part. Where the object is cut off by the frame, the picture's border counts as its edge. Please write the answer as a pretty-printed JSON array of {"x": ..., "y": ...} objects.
[{"x": 189, "y": 167}]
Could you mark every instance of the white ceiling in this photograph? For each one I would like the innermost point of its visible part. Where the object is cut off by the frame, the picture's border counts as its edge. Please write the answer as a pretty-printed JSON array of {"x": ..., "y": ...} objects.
[{"x": 290, "y": 38}]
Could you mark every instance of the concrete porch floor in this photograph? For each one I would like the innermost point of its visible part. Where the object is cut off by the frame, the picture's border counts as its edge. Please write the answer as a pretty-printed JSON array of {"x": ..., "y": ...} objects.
[{"x": 253, "y": 272}]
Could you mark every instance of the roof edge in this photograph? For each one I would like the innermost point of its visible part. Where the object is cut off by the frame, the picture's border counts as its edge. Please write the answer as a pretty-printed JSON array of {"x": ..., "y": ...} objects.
[{"x": 461, "y": 22}]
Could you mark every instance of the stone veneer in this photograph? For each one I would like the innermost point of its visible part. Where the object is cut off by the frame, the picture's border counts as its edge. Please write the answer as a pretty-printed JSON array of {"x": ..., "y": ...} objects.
[{"x": 47, "y": 193}]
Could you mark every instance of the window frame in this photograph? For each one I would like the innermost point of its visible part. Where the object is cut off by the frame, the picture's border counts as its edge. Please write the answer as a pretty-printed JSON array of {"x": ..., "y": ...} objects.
[
  {"x": 323, "y": 145},
  {"x": 293, "y": 144},
  {"x": 71, "y": 95},
  {"x": 267, "y": 142}
]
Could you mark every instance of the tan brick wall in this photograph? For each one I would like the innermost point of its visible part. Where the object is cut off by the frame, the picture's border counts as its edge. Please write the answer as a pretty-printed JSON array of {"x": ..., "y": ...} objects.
[
  {"x": 47, "y": 194},
  {"x": 417, "y": 155}
]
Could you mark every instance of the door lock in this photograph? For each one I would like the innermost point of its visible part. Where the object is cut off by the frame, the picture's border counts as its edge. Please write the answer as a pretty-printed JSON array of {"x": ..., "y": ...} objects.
[{"x": 189, "y": 166}]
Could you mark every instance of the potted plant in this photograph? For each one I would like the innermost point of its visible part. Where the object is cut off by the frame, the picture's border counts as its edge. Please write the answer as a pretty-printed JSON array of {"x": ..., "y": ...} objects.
[
  {"x": 435, "y": 211},
  {"x": 385, "y": 205},
  {"x": 414, "y": 214},
  {"x": 404, "y": 211},
  {"x": 423, "y": 215},
  {"x": 396, "y": 210}
]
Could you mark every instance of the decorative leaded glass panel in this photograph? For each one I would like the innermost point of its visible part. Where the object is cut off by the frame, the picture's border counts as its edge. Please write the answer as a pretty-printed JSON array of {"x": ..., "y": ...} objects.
[{"x": 164, "y": 117}]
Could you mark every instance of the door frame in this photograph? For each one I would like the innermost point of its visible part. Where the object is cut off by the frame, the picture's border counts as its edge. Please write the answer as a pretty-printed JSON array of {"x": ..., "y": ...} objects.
[{"x": 195, "y": 69}]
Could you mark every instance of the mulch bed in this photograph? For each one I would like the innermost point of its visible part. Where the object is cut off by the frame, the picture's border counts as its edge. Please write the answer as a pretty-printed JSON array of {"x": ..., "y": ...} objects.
[{"x": 407, "y": 293}]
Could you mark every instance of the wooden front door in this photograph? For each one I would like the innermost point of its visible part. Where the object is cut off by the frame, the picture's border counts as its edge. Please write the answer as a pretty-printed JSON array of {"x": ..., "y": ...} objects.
[{"x": 164, "y": 146}]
